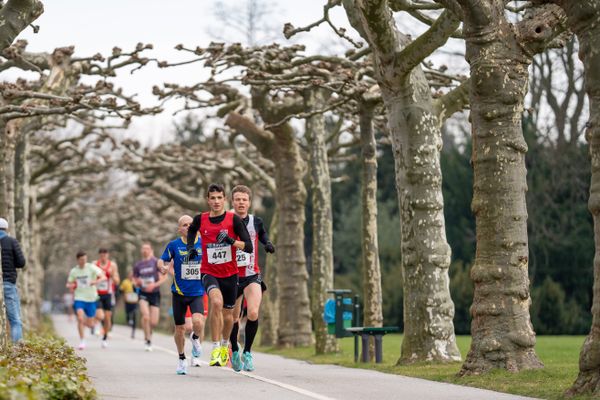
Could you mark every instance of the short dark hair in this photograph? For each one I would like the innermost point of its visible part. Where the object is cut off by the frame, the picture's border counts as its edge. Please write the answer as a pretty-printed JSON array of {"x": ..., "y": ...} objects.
[
  {"x": 81, "y": 253},
  {"x": 241, "y": 189},
  {"x": 215, "y": 187},
  {"x": 102, "y": 250}
]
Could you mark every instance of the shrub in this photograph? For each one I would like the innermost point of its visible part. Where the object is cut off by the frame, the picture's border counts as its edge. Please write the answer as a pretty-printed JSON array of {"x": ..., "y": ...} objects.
[{"x": 43, "y": 367}]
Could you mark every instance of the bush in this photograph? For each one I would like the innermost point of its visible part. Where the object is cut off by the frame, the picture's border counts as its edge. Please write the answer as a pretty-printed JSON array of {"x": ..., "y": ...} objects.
[{"x": 43, "y": 367}]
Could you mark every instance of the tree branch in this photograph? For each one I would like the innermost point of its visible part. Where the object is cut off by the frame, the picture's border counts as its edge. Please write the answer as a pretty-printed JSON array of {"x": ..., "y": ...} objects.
[{"x": 15, "y": 16}]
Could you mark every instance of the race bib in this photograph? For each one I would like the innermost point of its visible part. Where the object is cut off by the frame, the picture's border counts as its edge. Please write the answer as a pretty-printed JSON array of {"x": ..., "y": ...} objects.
[
  {"x": 102, "y": 285},
  {"x": 131, "y": 297},
  {"x": 243, "y": 259},
  {"x": 219, "y": 253},
  {"x": 82, "y": 282},
  {"x": 147, "y": 280},
  {"x": 190, "y": 270}
]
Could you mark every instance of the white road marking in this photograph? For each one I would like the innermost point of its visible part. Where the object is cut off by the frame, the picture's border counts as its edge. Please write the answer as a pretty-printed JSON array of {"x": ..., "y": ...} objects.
[{"x": 292, "y": 388}]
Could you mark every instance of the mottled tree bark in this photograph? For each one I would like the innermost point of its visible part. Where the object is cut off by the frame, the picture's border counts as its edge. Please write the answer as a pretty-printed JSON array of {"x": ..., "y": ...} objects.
[
  {"x": 322, "y": 226},
  {"x": 416, "y": 143},
  {"x": 269, "y": 309},
  {"x": 15, "y": 16},
  {"x": 583, "y": 19},
  {"x": 499, "y": 55},
  {"x": 372, "y": 293},
  {"x": 280, "y": 146}
]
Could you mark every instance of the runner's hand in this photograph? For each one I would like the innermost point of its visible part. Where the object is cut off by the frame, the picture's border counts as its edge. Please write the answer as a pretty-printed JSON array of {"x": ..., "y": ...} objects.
[
  {"x": 192, "y": 253},
  {"x": 223, "y": 237},
  {"x": 269, "y": 248}
]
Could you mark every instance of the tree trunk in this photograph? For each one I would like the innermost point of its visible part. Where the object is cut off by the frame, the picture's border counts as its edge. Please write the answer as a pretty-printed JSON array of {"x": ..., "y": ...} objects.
[
  {"x": 15, "y": 16},
  {"x": 322, "y": 239},
  {"x": 416, "y": 143},
  {"x": 502, "y": 334},
  {"x": 373, "y": 313},
  {"x": 583, "y": 19},
  {"x": 269, "y": 314},
  {"x": 294, "y": 306}
]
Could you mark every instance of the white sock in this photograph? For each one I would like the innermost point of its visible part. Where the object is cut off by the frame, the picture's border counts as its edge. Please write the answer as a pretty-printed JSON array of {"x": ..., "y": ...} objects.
[
  {"x": 216, "y": 344},
  {"x": 224, "y": 343}
]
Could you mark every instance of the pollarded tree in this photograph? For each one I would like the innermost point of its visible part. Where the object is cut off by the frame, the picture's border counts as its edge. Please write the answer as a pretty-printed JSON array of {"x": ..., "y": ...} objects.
[
  {"x": 499, "y": 54},
  {"x": 15, "y": 16}
]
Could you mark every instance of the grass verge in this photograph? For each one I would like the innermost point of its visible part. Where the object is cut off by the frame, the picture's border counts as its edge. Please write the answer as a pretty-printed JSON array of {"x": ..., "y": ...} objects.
[{"x": 560, "y": 355}]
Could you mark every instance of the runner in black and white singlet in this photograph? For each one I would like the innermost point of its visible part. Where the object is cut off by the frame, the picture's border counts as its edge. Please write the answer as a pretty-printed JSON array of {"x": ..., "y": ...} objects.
[
  {"x": 250, "y": 284},
  {"x": 223, "y": 235}
]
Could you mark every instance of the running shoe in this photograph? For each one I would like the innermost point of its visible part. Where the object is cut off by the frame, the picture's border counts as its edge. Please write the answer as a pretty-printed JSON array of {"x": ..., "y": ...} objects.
[
  {"x": 215, "y": 357},
  {"x": 248, "y": 364},
  {"x": 196, "y": 346},
  {"x": 224, "y": 355},
  {"x": 104, "y": 344},
  {"x": 148, "y": 347},
  {"x": 236, "y": 361},
  {"x": 81, "y": 345},
  {"x": 195, "y": 362},
  {"x": 181, "y": 367}
]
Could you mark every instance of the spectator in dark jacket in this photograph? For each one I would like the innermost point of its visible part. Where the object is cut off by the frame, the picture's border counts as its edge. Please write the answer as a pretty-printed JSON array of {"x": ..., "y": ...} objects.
[{"x": 12, "y": 258}]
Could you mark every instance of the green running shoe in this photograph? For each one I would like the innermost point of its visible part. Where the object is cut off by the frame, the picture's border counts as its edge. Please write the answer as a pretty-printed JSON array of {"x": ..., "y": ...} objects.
[
  {"x": 224, "y": 355},
  {"x": 236, "y": 361},
  {"x": 215, "y": 357},
  {"x": 248, "y": 364}
]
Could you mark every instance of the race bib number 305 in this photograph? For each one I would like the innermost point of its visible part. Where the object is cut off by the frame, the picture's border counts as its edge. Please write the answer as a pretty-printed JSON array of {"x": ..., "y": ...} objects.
[
  {"x": 218, "y": 253},
  {"x": 190, "y": 270}
]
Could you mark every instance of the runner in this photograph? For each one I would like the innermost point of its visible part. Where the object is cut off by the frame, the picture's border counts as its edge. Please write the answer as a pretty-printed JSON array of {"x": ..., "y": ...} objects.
[
  {"x": 223, "y": 234},
  {"x": 250, "y": 285},
  {"x": 187, "y": 291},
  {"x": 148, "y": 279},
  {"x": 106, "y": 292},
  {"x": 83, "y": 278},
  {"x": 131, "y": 301}
]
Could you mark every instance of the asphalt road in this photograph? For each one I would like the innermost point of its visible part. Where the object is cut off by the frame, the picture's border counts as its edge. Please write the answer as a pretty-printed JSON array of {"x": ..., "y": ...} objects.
[{"x": 125, "y": 371}]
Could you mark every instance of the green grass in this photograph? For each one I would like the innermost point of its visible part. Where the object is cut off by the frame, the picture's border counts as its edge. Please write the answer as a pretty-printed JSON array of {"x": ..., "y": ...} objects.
[{"x": 560, "y": 355}]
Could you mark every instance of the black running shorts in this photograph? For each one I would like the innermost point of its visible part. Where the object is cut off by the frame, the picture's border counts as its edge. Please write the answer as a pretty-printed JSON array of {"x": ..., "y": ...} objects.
[
  {"x": 181, "y": 303},
  {"x": 228, "y": 287}
]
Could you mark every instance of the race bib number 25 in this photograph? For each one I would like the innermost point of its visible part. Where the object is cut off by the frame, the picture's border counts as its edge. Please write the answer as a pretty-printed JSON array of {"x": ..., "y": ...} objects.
[
  {"x": 243, "y": 259},
  {"x": 218, "y": 253}
]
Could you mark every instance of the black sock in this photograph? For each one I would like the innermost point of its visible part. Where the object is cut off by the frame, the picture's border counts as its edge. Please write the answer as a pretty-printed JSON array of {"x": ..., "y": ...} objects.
[
  {"x": 251, "y": 329},
  {"x": 194, "y": 336},
  {"x": 182, "y": 356},
  {"x": 148, "y": 342},
  {"x": 105, "y": 337},
  {"x": 233, "y": 337}
]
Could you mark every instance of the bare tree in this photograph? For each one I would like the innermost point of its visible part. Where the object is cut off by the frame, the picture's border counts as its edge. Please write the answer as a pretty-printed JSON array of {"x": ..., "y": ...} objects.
[
  {"x": 15, "y": 16},
  {"x": 499, "y": 54}
]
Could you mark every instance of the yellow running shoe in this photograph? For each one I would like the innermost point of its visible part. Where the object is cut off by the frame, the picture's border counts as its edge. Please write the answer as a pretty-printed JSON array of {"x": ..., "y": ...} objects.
[
  {"x": 224, "y": 355},
  {"x": 215, "y": 357}
]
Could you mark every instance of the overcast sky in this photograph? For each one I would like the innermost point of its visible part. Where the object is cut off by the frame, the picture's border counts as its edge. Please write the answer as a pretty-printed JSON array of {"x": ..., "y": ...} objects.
[{"x": 98, "y": 26}]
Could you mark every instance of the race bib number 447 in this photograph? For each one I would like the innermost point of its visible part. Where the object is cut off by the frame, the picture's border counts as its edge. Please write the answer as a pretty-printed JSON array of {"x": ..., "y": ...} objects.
[
  {"x": 218, "y": 253},
  {"x": 190, "y": 270}
]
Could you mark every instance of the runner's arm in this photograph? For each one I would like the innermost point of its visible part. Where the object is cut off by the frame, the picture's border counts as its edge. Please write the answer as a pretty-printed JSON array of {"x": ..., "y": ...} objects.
[
  {"x": 263, "y": 236},
  {"x": 245, "y": 243},
  {"x": 115, "y": 273},
  {"x": 193, "y": 231}
]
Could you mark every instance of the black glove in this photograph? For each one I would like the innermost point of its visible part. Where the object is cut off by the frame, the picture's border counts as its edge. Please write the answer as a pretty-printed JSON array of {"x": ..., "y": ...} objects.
[
  {"x": 192, "y": 253},
  {"x": 223, "y": 237},
  {"x": 269, "y": 248}
]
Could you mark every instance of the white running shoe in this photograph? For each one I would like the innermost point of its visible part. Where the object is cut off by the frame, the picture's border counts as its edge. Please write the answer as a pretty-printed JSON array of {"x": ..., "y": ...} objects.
[
  {"x": 148, "y": 347},
  {"x": 181, "y": 367},
  {"x": 195, "y": 362},
  {"x": 81, "y": 345},
  {"x": 196, "y": 346},
  {"x": 104, "y": 344}
]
